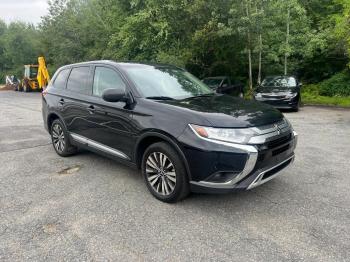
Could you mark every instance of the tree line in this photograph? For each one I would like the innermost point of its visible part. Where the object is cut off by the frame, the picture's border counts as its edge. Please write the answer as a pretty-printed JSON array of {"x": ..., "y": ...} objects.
[{"x": 247, "y": 39}]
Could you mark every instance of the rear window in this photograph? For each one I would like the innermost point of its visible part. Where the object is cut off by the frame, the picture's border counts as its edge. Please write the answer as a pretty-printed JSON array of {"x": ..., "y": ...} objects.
[
  {"x": 61, "y": 78},
  {"x": 77, "y": 80}
]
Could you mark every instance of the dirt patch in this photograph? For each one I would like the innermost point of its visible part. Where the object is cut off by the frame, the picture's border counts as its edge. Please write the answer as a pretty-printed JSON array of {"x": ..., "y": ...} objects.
[
  {"x": 50, "y": 228},
  {"x": 69, "y": 170},
  {"x": 5, "y": 88}
]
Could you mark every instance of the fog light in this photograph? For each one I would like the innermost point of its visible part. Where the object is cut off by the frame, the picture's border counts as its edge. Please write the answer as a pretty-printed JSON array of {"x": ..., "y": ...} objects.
[{"x": 222, "y": 177}]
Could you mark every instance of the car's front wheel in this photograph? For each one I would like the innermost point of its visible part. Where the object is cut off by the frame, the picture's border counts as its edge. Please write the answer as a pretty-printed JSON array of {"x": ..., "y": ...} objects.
[
  {"x": 164, "y": 173},
  {"x": 296, "y": 108}
]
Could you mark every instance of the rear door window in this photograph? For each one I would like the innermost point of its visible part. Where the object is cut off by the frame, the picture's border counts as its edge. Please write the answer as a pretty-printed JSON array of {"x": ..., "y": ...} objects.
[
  {"x": 60, "y": 81},
  {"x": 77, "y": 81},
  {"x": 106, "y": 78}
]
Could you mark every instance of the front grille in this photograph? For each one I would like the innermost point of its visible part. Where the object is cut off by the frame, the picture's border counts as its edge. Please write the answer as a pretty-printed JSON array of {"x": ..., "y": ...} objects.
[
  {"x": 274, "y": 97},
  {"x": 274, "y": 147},
  {"x": 279, "y": 141},
  {"x": 280, "y": 150}
]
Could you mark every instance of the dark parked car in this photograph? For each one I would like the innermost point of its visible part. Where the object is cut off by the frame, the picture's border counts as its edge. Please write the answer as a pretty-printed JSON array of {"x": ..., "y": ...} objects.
[
  {"x": 280, "y": 92},
  {"x": 225, "y": 85},
  {"x": 161, "y": 119}
]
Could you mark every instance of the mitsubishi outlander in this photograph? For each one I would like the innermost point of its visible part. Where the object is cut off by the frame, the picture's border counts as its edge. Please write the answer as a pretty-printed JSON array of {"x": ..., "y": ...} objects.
[{"x": 164, "y": 121}]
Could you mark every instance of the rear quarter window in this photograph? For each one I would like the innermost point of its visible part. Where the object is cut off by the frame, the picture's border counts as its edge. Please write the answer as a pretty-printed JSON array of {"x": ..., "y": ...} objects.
[
  {"x": 60, "y": 81},
  {"x": 77, "y": 81}
]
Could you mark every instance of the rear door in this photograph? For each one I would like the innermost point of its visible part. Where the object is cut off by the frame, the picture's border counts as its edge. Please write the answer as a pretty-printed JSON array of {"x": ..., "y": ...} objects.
[
  {"x": 54, "y": 94},
  {"x": 75, "y": 102},
  {"x": 112, "y": 122}
]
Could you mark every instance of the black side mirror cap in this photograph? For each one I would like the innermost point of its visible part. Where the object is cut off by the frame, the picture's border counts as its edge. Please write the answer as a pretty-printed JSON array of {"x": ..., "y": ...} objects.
[{"x": 115, "y": 95}]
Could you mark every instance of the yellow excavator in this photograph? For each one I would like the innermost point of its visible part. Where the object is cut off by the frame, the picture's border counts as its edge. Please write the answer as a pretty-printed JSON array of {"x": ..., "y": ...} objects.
[{"x": 36, "y": 77}]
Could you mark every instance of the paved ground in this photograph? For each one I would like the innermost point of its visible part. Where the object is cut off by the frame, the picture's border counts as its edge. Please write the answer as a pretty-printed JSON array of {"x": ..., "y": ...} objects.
[{"x": 101, "y": 210}]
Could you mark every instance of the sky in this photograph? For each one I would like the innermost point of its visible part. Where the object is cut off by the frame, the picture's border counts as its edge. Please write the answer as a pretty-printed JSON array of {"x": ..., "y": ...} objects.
[{"x": 23, "y": 10}]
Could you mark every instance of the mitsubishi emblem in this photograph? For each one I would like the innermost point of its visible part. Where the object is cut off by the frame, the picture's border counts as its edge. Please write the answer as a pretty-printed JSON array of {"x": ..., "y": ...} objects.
[{"x": 278, "y": 129}]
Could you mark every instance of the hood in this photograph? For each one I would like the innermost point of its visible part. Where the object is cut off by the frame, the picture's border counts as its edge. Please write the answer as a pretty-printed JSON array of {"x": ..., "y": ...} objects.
[
  {"x": 228, "y": 111},
  {"x": 276, "y": 89}
]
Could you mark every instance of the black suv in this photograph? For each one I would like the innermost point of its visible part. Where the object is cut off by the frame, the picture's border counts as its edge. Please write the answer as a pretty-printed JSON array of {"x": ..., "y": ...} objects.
[{"x": 166, "y": 122}]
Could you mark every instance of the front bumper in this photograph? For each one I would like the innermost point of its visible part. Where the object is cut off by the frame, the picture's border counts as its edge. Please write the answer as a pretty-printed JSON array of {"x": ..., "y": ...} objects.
[
  {"x": 256, "y": 178},
  {"x": 253, "y": 165},
  {"x": 285, "y": 103}
]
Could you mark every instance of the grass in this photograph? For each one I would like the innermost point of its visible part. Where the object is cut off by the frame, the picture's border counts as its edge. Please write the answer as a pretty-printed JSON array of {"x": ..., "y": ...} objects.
[
  {"x": 310, "y": 99},
  {"x": 310, "y": 96}
]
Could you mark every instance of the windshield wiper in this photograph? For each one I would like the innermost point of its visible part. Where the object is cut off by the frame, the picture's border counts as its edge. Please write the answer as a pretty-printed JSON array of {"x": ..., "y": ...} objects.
[
  {"x": 202, "y": 95},
  {"x": 160, "y": 97}
]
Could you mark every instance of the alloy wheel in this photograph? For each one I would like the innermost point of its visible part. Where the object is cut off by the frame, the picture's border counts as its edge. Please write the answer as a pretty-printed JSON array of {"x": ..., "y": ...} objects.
[
  {"x": 161, "y": 174},
  {"x": 58, "y": 138}
]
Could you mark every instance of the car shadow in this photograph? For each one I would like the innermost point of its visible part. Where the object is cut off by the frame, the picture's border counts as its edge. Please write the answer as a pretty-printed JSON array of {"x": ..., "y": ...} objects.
[{"x": 243, "y": 199}]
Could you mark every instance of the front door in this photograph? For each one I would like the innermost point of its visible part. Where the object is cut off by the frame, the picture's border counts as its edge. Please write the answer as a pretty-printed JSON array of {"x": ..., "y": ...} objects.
[{"x": 112, "y": 122}]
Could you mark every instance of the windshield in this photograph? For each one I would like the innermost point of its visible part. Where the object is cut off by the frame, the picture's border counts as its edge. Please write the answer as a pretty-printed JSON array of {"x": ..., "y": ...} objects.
[
  {"x": 168, "y": 82},
  {"x": 279, "y": 81}
]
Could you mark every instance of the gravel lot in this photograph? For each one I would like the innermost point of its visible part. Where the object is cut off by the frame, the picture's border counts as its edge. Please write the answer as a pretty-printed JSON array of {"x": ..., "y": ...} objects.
[{"x": 101, "y": 210}]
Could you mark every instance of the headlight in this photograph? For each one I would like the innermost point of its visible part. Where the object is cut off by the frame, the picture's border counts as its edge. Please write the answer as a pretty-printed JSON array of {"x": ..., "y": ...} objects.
[
  {"x": 258, "y": 95},
  {"x": 231, "y": 135}
]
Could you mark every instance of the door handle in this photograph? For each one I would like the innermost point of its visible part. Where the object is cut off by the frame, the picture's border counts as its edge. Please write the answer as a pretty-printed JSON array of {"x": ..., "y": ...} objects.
[
  {"x": 91, "y": 109},
  {"x": 61, "y": 102}
]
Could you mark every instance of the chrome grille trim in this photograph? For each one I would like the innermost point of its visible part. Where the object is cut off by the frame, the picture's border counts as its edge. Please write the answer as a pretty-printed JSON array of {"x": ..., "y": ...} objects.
[
  {"x": 259, "y": 180},
  {"x": 269, "y": 131}
]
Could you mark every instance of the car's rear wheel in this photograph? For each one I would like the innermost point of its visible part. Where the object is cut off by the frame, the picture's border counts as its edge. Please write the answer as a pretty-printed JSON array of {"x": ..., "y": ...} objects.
[
  {"x": 60, "y": 139},
  {"x": 164, "y": 173}
]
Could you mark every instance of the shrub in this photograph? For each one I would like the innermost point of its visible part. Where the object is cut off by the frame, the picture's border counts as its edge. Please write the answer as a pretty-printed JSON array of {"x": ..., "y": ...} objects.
[
  {"x": 337, "y": 85},
  {"x": 312, "y": 89}
]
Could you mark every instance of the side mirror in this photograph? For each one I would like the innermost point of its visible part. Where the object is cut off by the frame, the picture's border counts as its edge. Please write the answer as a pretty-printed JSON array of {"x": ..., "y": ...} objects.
[
  {"x": 115, "y": 95},
  {"x": 300, "y": 85},
  {"x": 224, "y": 85}
]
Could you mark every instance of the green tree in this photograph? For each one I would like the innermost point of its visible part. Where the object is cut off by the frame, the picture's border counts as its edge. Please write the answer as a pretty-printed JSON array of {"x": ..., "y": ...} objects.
[
  {"x": 242, "y": 38},
  {"x": 19, "y": 45},
  {"x": 342, "y": 24}
]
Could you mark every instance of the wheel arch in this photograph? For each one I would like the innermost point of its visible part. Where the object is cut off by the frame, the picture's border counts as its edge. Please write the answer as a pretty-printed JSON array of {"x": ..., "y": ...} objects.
[
  {"x": 151, "y": 137},
  {"x": 52, "y": 117}
]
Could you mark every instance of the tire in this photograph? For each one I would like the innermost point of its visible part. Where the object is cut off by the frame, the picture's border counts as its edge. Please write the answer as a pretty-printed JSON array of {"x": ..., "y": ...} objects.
[
  {"x": 26, "y": 88},
  {"x": 296, "y": 108},
  {"x": 60, "y": 139},
  {"x": 168, "y": 182}
]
